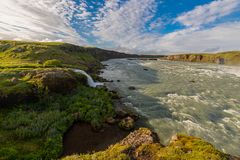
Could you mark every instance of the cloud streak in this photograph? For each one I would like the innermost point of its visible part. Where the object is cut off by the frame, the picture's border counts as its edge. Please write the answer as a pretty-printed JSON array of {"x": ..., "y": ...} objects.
[
  {"x": 122, "y": 25},
  {"x": 43, "y": 20},
  {"x": 208, "y": 13}
]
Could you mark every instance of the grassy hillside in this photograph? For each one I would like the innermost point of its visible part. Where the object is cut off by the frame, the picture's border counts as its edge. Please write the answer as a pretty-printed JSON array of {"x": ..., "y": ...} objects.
[
  {"x": 229, "y": 58},
  {"x": 35, "y": 54},
  {"x": 40, "y": 97}
]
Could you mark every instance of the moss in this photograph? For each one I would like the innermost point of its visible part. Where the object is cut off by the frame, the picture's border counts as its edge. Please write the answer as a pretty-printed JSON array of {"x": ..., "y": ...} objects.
[
  {"x": 116, "y": 152},
  {"x": 148, "y": 151},
  {"x": 53, "y": 80},
  {"x": 52, "y": 63},
  {"x": 187, "y": 147}
]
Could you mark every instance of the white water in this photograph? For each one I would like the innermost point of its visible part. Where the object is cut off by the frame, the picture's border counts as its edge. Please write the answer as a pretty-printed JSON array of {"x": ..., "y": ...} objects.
[
  {"x": 90, "y": 81},
  {"x": 179, "y": 97}
]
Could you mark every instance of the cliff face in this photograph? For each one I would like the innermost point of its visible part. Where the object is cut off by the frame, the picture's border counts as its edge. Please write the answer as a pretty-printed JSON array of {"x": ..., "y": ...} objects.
[{"x": 232, "y": 58}]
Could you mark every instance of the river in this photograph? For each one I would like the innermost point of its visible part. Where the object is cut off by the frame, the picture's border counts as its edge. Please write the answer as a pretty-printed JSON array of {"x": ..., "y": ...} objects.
[{"x": 197, "y": 99}]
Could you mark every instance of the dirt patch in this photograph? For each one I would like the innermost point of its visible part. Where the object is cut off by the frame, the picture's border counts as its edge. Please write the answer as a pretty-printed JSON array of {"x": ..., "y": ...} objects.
[{"x": 82, "y": 139}]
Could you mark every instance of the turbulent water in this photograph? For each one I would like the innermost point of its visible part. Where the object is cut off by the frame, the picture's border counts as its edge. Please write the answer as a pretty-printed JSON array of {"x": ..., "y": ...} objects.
[{"x": 180, "y": 97}]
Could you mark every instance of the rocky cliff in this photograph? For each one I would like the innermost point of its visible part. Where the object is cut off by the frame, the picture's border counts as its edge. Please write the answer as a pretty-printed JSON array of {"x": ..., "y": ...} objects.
[{"x": 231, "y": 58}]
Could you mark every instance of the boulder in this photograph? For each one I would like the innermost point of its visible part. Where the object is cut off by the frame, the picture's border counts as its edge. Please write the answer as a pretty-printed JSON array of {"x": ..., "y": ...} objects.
[
  {"x": 110, "y": 120},
  {"x": 126, "y": 123},
  {"x": 54, "y": 80},
  {"x": 132, "y": 88},
  {"x": 140, "y": 137},
  {"x": 174, "y": 139},
  {"x": 120, "y": 112},
  {"x": 14, "y": 80},
  {"x": 114, "y": 95}
]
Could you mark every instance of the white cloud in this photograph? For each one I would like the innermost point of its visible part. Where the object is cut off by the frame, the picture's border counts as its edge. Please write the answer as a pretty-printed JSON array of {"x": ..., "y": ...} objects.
[
  {"x": 123, "y": 24},
  {"x": 83, "y": 8},
  {"x": 157, "y": 24},
  {"x": 38, "y": 20},
  {"x": 223, "y": 37},
  {"x": 124, "y": 27},
  {"x": 208, "y": 13},
  {"x": 119, "y": 25}
]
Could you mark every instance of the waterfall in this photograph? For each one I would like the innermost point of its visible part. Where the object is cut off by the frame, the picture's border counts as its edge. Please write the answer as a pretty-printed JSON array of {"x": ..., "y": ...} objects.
[{"x": 90, "y": 81}]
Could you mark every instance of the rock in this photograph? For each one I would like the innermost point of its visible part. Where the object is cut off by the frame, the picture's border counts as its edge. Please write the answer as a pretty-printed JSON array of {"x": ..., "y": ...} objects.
[
  {"x": 126, "y": 123},
  {"x": 120, "y": 113},
  {"x": 174, "y": 138},
  {"x": 110, "y": 120},
  {"x": 140, "y": 137},
  {"x": 14, "y": 80},
  {"x": 233, "y": 158},
  {"x": 132, "y": 88},
  {"x": 114, "y": 95},
  {"x": 54, "y": 80},
  {"x": 192, "y": 81},
  {"x": 118, "y": 81},
  {"x": 134, "y": 116},
  {"x": 145, "y": 69}
]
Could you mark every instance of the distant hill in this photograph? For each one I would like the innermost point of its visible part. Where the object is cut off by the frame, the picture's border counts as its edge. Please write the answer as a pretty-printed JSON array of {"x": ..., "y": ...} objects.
[
  {"x": 229, "y": 58},
  {"x": 34, "y": 54}
]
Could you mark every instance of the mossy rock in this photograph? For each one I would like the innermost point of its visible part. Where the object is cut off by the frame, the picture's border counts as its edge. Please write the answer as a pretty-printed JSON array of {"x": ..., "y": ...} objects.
[
  {"x": 14, "y": 91},
  {"x": 126, "y": 123},
  {"x": 53, "y": 80}
]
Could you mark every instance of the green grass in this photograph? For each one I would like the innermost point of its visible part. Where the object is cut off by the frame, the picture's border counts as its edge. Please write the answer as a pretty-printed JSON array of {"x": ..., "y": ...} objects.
[
  {"x": 35, "y": 130},
  {"x": 116, "y": 152},
  {"x": 187, "y": 147},
  {"x": 15, "y": 54}
]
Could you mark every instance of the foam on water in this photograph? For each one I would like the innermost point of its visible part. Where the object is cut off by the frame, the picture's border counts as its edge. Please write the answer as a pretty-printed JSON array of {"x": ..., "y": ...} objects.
[{"x": 179, "y": 97}]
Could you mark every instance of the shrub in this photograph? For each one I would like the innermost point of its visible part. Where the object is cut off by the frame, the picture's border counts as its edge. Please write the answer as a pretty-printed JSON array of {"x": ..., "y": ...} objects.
[
  {"x": 8, "y": 153},
  {"x": 52, "y": 63}
]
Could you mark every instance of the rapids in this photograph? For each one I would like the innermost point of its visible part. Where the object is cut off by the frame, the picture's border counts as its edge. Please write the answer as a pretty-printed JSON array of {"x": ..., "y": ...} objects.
[{"x": 180, "y": 97}]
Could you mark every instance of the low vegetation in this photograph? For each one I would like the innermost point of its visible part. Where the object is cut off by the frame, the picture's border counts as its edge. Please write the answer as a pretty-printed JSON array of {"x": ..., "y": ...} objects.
[
  {"x": 140, "y": 146},
  {"x": 35, "y": 130},
  {"x": 40, "y": 97}
]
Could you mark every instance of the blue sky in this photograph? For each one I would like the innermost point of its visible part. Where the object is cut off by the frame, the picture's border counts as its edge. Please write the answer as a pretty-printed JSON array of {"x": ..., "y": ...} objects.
[{"x": 132, "y": 26}]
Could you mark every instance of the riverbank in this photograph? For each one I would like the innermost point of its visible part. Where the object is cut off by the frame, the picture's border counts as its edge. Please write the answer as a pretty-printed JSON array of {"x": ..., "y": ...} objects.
[
  {"x": 228, "y": 58},
  {"x": 181, "y": 97}
]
